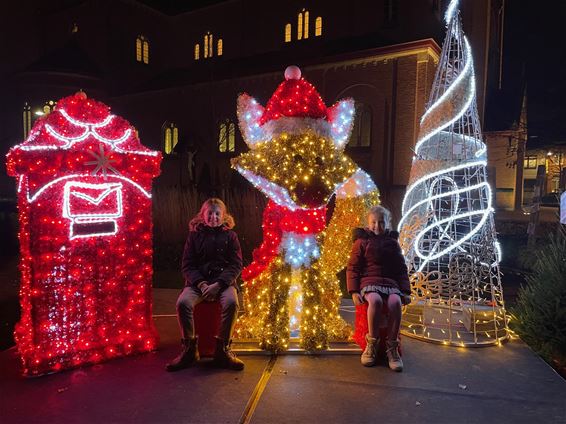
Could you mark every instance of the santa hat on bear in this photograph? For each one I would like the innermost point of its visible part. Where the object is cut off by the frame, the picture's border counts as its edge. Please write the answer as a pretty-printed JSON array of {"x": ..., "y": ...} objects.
[{"x": 294, "y": 108}]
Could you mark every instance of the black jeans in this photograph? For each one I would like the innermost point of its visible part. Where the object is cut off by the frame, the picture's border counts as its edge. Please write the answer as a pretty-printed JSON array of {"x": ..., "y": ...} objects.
[{"x": 190, "y": 297}]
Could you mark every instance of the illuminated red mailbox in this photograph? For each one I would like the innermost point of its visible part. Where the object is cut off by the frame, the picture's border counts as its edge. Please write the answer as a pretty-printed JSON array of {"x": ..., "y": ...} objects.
[{"x": 84, "y": 200}]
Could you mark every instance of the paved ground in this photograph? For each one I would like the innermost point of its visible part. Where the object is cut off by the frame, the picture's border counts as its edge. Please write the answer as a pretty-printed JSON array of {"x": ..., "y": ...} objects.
[{"x": 507, "y": 384}]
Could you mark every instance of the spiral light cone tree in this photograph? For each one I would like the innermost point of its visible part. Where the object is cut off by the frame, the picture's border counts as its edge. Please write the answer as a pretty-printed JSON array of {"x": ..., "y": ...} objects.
[{"x": 447, "y": 228}]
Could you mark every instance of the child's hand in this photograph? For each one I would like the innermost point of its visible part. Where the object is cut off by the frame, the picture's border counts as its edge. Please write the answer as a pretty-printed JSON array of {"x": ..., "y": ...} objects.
[
  {"x": 210, "y": 291},
  {"x": 357, "y": 298},
  {"x": 202, "y": 285}
]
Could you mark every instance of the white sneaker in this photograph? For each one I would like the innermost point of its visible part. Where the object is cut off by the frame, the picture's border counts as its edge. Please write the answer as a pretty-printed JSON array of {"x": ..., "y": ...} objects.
[
  {"x": 369, "y": 356},
  {"x": 393, "y": 357}
]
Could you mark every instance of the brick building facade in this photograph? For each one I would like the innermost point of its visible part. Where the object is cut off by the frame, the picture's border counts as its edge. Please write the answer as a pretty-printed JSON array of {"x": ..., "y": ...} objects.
[{"x": 144, "y": 64}]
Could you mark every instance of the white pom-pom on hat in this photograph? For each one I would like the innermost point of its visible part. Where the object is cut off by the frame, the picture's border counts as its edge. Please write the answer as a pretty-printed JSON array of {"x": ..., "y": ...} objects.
[{"x": 292, "y": 73}]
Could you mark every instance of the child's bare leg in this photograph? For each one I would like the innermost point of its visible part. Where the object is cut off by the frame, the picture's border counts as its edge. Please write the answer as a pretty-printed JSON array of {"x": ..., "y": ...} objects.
[
  {"x": 375, "y": 306},
  {"x": 394, "y": 319}
]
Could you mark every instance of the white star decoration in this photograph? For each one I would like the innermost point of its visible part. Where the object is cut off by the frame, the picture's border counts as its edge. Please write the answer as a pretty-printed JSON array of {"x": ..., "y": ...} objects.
[{"x": 102, "y": 162}]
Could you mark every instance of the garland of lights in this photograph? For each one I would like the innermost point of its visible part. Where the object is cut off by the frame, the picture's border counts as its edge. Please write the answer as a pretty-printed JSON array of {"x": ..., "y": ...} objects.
[
  {"x": 447, "y": 229},
  {"x": 297, "y": 161},
  {"x": 85, "y": 238}
]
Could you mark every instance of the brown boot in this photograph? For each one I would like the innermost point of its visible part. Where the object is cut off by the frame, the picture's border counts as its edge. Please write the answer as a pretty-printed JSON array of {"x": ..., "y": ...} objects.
[
  {"x": 369, "y": 355},
  {"x": 187, "y": 357},
  {"x": 393, "y": 356},
  {"x": 224, "y": 357}
]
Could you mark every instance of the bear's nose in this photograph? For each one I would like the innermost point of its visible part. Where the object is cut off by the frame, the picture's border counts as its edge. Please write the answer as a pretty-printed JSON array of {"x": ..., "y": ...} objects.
[{"x": 312, "y": 193}]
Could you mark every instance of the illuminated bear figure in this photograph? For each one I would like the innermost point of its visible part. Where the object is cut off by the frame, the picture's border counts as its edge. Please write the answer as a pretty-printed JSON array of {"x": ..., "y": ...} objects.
[{"x": 297, "y": 160}]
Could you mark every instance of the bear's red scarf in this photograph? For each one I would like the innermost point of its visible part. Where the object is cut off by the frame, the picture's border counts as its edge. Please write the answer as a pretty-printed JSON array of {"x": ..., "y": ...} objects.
[{"x": 277, "y": 220}]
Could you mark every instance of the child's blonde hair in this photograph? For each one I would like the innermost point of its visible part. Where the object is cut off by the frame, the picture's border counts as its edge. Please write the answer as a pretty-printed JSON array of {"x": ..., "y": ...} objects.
[
  {"x": 384, "y": 212},
  {"x": 227, "y": 219}
]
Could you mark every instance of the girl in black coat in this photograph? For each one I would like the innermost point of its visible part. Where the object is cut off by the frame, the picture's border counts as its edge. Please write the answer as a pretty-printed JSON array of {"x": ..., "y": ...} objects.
[{"x": 212, "y": 261}]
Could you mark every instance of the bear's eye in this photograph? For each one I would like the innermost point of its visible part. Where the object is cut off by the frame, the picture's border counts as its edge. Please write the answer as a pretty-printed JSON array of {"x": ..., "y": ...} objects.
[
  {"x": 298, "y": 158},
  {"x": 319, "y": 161}
]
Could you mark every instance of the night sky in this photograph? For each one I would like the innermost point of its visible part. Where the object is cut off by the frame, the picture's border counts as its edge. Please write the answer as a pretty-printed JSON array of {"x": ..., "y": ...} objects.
[{"x": 535, "y": 55}]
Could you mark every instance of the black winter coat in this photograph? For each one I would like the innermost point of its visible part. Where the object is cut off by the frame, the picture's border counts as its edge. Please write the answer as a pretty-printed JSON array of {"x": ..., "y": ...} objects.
[{"x": 212, "y": 254}]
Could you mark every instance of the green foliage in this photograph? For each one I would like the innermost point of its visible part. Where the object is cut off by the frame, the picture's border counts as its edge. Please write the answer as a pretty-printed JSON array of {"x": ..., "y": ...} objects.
[{"x": 540, "y": 311}]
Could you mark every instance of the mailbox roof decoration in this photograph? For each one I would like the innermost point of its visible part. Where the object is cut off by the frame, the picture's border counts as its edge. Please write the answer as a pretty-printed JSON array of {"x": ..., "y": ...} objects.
[
  {"x": 84, "y": 200},
  {"x": 82, "y": 137}
]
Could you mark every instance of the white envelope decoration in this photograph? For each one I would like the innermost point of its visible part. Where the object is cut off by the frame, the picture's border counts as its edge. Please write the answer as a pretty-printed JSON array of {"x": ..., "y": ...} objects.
[{"x": 85, "y": 201}]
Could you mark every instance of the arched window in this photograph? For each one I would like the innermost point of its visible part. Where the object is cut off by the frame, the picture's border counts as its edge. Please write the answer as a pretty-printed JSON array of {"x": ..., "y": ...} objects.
[
  {"x": 318, "y": 27},
  {"x": 170, "y": 137},
  {"x": 303, "y": 24},
  {"x": 27, "y": 120},
  {"x": 361, "y": 133},
  {"x": 142, "y": 49},
  {"x": 206, "y": 46},
  {"x": 288, "y": 33},
  {"x": 219, "y": 47},
  {"x": 227, "y": 136}
]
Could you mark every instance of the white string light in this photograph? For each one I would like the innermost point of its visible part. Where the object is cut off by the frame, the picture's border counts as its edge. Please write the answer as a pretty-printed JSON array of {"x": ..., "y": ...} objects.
[
  {"x": 32, "y": 198},
  {"x": 90, "y": 130},
  {"x": 447, "y": 229},
  {"x": 79, "y": 218}
]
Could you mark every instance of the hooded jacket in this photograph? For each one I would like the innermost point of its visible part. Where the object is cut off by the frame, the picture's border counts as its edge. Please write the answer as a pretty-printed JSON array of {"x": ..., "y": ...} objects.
[
  {"x": 376, "y": 259},
  {"x": 212, "y": 254}
]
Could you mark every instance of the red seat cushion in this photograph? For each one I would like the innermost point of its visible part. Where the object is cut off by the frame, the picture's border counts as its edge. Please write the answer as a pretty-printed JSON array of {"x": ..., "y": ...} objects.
[
  {"x": 207, "y": 317},
  {"x": 361, "y": 329}
]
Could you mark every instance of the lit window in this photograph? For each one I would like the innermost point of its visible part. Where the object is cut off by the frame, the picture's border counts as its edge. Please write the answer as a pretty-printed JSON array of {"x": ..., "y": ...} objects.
[
  {"x": 306, "y": 34},
  {"x": 138, "y": 49},
  {"x": 167, "y": 143},
  {"x": 222, "y": 141},
  {"x": 361, "y": 132},
  {"x": 146, "y": 52},
  {"x": 197, "y": 51},
  {"x": 170, "y": 137},
  {"x": 231, "y": 137},
  {"x": 318, "y": 27},
  {"x": 300, "y": 26},
  {"x": 27, "y": 120},
  {"x": 530, "y": 162},
  {"x": 175, "y": 136},
  {"x": 227, "y": 136},
  {"x": 206, "y": 46},
  {"x": 219, "y": 47},
  {"x": 288, "y": 33},
  {"x": 142, "y": 49}
]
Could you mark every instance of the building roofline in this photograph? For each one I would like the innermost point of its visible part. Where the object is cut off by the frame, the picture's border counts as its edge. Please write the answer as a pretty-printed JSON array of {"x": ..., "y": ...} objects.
[
  {"x": 394, "y": 51},
  {"x": 373, "y": 55}
]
